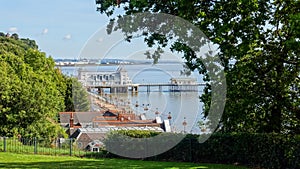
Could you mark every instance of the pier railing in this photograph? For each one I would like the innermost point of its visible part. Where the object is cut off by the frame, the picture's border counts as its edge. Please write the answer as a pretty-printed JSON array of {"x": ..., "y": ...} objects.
[{"x": 124, "y": 88}]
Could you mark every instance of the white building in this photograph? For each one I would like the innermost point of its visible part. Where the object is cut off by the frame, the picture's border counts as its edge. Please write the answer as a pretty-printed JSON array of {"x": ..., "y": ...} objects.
[
  {"x": 183, "y": 84},
  {"x": 96, "y": 78}
]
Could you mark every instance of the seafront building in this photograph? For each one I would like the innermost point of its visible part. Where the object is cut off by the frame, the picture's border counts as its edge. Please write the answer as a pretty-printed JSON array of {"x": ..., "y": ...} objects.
[
  {"x": 89, "y": 129},
  {"x": 90, "y": 78},
  {"x": 117, "y": 82},
  {"x": 183, "y": 84}
]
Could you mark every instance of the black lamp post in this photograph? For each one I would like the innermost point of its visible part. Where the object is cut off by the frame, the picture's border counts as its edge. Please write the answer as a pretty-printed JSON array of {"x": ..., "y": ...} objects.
[
  {"x": 146, "y": 107},
  {"x": 136, "y": 104},
  {"x": 157, "y": 112},
  {"x": 184, "y": 123},
  {"x": 169, "y": 117}
]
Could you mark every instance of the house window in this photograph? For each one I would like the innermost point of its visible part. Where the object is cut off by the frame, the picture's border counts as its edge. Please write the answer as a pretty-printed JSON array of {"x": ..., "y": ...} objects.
[{"x": 95, "y": 149}]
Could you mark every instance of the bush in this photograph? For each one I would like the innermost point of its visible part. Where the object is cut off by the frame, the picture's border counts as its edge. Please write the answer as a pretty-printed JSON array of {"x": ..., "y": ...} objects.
[{"x": 255, "y": 150}]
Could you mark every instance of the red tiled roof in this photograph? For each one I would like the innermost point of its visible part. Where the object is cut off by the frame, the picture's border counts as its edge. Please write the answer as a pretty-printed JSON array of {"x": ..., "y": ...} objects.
[
  {"x": 98, "y": 119},
  {"x": 79, "y": 117}
]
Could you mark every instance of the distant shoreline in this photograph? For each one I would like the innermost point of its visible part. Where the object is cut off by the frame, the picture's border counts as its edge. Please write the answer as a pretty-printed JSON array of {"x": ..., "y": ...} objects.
[
  {"x": 95, "y": 64},
  {"x": 111, "y": 64}
]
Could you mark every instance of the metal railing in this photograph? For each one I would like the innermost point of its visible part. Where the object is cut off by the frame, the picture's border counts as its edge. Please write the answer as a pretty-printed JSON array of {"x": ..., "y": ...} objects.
[{"x": 45, "y": 147}]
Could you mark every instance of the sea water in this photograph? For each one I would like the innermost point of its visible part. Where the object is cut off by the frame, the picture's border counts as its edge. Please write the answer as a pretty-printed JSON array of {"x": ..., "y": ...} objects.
[{"x": 182, "y": 106}]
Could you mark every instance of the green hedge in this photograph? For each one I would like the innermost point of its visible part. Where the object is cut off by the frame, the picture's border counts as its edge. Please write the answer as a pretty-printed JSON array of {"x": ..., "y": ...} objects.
[{"x": 255, "y": 150}]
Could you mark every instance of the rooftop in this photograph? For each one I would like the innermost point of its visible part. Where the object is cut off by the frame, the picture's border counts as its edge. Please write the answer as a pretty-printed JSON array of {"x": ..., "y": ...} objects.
[{"x": 113, "y": 128}]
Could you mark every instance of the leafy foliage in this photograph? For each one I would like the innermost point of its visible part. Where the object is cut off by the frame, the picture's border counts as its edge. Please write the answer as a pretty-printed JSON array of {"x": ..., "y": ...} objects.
[
  {"x": 138, "y": 144},
  {"x": 76, "y": 98},
  {"x": 258, "y": 44},
  {"x": 133, "y": 133},
  {"x": 32, "y": 90},
  {"x": 255, "y": 150}
]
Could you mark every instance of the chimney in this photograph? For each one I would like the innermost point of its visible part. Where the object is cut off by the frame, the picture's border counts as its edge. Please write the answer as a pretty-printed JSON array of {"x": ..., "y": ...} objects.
[{"x": 71, "y": 120}]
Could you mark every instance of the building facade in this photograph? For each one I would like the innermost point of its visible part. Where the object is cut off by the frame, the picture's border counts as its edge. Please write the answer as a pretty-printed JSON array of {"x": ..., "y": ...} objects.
[
  {"x": 100, "y": 78},
  {"x": 183, "y": 85}
]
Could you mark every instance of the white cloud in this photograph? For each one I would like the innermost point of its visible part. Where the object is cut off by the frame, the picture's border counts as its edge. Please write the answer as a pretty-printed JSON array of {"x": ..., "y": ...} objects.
[
  {"x": 68, "y": 37},
  {"x": 45, "y": 31},
  {"x": 13, "y": 29}
]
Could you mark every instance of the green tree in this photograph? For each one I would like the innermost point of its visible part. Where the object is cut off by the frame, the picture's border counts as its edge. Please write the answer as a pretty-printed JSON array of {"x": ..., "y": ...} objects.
[
  {"x": 15, "y": 36},
  {"x": 258, "y": 44},
  {"x": 31, "y": 43},
  {"x": 76, "y": 98},
  {"x": 31, "y": 92}
]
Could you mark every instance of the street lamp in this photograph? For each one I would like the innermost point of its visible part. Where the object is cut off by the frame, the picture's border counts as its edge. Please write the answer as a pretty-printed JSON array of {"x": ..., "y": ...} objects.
[
  {"x": 136, "y": 104},
  {"x": 184, "y": 123},
  {"x": 128, "y": 106},
  {"x": 146, "y": 107},
  {"x": 110, "y": 98},
  {"x": 157, "y": 112},
  {"x": 169, "y": 117}
]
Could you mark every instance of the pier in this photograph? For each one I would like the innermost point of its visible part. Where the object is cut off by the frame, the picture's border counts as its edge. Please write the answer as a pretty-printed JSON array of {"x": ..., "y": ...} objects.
[
  {"x": 134, "y": 88},
  {"x": 119, "y": 82}
]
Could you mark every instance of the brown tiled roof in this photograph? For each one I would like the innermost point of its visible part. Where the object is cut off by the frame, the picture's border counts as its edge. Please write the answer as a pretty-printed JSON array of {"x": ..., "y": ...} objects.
[
  {"x": 96, "y": 119},
  {"x": 128, "y": 124},
  {"x": 79, "y": 117}
]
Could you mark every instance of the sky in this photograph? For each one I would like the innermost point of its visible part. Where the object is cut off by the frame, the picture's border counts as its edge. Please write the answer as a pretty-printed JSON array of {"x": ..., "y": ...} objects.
[
  {"x": 60, "y": 27},
  {"x": 71, "y": 29}
]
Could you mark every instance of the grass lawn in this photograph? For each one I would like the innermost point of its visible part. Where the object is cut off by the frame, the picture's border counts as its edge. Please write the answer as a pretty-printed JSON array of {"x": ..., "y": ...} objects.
[{"x": 10, "y": 160}]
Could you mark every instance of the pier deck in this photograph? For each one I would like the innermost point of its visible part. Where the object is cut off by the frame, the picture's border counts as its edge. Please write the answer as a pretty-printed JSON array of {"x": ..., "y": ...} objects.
[{"x": 134, "y": 87}]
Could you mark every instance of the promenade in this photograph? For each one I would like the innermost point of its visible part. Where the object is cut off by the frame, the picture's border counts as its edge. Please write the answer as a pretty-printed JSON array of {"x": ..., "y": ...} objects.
[{"x": 105, "y": 104}]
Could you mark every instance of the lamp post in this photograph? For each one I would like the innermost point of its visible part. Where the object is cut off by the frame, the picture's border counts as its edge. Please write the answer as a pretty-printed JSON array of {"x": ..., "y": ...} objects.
[
  {"x": 116, "y": 102},
  {"x": 169, "y": 117},
  {"x": 110, "y": 99},
  {"x": 106, "y": 99},
  {"x": 136, "y": 106},
  {"x": 184, "y": 123},
  {"x": 128, "y": 106},
  {"x": 157, "y": 112},
  {"x": 121, "y": 102},
  {"x": 146, "y": 107}
]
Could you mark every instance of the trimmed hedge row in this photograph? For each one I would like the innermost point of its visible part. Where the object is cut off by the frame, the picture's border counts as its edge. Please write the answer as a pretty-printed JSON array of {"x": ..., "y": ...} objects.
[{"x": 256, "y": 150}]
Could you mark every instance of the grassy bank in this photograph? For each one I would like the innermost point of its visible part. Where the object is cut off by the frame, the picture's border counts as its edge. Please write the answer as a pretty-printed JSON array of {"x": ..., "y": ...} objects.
[{"x": 11, "y": 160}]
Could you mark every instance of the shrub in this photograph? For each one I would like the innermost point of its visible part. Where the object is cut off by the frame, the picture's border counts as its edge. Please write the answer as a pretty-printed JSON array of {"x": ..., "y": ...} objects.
[{"x": 255, "y": 150}]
